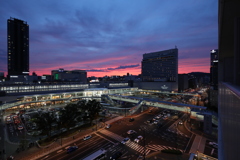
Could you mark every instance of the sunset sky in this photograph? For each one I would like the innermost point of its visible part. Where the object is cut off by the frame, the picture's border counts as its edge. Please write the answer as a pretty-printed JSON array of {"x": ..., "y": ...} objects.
[{"x": 109, "y": 37}]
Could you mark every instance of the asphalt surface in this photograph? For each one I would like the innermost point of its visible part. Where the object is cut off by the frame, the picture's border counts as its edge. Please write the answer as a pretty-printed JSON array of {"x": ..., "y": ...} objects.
[{"x": 167, "y": 134}]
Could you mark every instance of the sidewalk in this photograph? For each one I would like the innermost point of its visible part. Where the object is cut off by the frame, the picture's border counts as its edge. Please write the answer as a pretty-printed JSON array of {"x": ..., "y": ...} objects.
[
  {"x": 38, "y": 151},
  {"x": 199, "y": 142}
]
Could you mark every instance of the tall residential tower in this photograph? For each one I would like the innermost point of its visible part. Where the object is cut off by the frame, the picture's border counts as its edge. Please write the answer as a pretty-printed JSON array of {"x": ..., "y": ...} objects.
[{"x": 18, "y": 47}]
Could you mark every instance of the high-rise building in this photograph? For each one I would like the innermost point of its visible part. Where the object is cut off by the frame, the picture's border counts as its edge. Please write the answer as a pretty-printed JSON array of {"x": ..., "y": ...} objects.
[
  {"x": 160, "y": 66},
  {"x": 18, "y": 47},
  {"x": 229, "y": 80},
  {"x": 213, "y": 91},
  {"x": 214, "y": 69}
]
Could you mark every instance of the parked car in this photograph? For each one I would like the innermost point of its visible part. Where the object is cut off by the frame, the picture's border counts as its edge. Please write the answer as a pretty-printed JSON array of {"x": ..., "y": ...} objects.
[
  {"x": 180, "y": 122},
  {"x": 116, "y": 155},
  {"x": 8, "y": 120},
  {"x": 20, "y": 127},
  {"x": 108, "y": 125},
  {"x": 212, "y": 143},
  {"x": 165, "y": 118},
  {"x": 87, "y": 137},
  {"x": 139, "y": 138},
  {"x": 158, "y": 117},
  {"x": 131, "y": 132},
  {"x": 125, "y": 140},
  {"x": 131, "y": 119},
  {"x": 10, "y": 158},
  {"x": 150, "y": 121},
  {"x": 156, "y": 121},
  {"x": 71, "y": 149}
]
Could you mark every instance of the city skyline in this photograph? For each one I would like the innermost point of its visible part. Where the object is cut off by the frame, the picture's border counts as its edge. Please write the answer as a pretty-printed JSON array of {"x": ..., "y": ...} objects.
[{"x": 109, "y": 38}]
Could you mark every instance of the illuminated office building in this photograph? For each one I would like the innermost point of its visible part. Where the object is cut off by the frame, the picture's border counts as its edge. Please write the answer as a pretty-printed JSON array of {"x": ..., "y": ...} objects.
[
  {"x": 160, "y": 66},
  {"x": 66, "y": 75},
  {"x": 18, "y": 47}
]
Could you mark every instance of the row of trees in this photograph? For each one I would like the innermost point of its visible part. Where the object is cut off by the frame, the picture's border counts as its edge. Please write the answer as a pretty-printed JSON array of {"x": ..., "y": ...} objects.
[{"x": 82, "y": 111}]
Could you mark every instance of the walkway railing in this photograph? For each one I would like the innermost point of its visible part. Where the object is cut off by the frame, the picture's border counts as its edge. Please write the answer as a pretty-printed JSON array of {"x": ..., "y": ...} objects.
[{"x": 135, "y": 108}]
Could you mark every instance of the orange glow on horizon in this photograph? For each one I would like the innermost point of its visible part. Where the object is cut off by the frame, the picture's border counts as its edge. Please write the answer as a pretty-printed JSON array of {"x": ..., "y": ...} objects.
[{"x": 185, "y": 66}]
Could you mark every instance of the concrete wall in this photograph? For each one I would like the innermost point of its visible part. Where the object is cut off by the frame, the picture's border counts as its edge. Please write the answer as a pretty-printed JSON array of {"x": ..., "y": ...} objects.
[{"x": 161, "y": 86}]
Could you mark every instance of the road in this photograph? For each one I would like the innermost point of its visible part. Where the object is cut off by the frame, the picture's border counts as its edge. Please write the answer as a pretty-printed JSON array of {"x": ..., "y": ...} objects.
[
  {"x": 166, "y": 134},
  {"x": 155, "y": 138}
]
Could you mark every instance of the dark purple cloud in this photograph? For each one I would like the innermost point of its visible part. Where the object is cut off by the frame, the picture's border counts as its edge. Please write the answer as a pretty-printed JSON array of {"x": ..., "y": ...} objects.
[{"x": 116, "y": 68}]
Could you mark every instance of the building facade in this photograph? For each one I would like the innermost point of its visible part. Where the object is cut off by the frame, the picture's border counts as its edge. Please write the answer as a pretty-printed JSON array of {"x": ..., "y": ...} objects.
[
  {"x": 213, "y": 91},
  {"x": 160, "y": 66},
  {"x": 229, "y": 80},
  {"x": 74, "y": 75},
  {"x": 214, "y": 69},
  {"x": 18, "y": 47},
  {"x": 182, "y": 82}
]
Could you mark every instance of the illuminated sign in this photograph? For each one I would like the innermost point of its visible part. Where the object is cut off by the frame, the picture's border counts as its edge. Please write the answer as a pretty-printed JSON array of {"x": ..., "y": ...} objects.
[
  {"x": 56, "y": 76},
  {"x": 213, "y": 51},
  {"x": 13, "y": 76},
  {"x": 164, "y": 87}
]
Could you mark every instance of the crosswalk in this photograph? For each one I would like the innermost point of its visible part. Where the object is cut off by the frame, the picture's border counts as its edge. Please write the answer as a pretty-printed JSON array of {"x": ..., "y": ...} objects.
[
  {"x": 205, "y": 157},
  {"x": 130, "y": 144},
  {"x": 174, "y": 129},
  {"x": 159, "y": 148},
  {"x": 114, "y": 119},
  {"x": 112, "y": 135},
  {"x": 138, "y": 148}
]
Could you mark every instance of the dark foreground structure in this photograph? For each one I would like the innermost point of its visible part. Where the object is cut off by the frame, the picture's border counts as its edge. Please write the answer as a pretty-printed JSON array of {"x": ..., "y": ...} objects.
[{"x": 229, "y": 79}]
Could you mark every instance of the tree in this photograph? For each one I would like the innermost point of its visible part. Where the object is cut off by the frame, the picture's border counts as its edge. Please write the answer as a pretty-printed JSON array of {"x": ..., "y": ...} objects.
[
  {"x": 90, "y": 109},
  {"x": 69, "y": 116},
  {"x": 44, "y": 122}
]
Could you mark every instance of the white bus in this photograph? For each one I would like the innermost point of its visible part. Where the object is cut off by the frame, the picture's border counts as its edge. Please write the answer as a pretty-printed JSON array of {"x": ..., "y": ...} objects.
[{"x": 98, "y": 155}]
